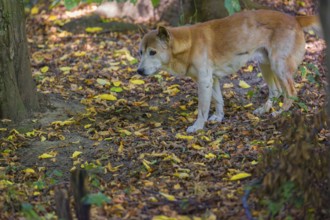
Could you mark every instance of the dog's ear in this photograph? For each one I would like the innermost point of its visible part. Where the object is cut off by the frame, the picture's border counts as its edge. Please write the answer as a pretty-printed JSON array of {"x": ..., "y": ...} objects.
[
  {"x": 163, "y": 34},
  {"x": 142, "y": 30}
]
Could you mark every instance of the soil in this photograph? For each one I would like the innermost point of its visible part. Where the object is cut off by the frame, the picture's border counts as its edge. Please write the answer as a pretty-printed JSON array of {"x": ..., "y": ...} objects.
[{"x": 131, "y": 149}]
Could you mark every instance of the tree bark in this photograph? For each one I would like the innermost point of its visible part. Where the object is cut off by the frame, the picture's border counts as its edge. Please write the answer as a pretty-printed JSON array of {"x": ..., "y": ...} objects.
[
  {"x": 325, "y": 20},
  {"x": 175, "y": 12},
  {"x": 213, "y": 9},
  {"x": 18, "y": 95}
]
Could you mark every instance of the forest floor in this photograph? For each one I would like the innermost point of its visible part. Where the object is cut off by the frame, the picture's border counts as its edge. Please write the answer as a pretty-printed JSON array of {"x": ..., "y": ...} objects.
[{"x": 129, "y": 131}]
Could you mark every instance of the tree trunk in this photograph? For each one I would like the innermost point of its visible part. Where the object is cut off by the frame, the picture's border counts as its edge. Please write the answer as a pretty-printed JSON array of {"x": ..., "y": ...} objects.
[
  {"x": 213, "y": 9},
  {"x": 18, "y": 95},
  {"x": 325, "y": 20},
  {"x": 175, "y": 12}
]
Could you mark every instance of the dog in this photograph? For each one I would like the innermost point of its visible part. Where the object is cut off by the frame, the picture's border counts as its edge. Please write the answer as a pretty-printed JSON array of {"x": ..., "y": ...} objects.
[{"x": 211, "y": 50}]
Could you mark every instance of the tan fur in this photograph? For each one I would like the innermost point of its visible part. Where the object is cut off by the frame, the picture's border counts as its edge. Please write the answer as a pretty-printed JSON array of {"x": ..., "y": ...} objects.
[{"x": 211, "y": 50}]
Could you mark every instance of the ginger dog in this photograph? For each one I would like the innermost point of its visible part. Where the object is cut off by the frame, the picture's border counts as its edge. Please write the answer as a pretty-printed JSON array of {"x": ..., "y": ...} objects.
[{"x": 208, "y": 51}]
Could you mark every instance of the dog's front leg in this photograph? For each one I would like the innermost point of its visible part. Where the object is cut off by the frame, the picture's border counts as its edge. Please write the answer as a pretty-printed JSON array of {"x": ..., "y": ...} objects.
[
  {"x": 218, "y": 101},
  {"x": 204, "y": 102}
]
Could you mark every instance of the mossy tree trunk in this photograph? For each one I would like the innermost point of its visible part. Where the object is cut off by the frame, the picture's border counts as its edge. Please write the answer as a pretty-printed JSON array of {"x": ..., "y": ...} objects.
[
  {"x": 18, "y": 95},
  {"x": 212, "y": 9}
]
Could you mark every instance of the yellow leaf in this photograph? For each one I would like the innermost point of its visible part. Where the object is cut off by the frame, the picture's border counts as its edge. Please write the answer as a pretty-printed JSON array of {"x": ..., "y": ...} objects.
[
  {"x": 43, "y": 138},
  {"x": 3, "y": 129},
  {"x": 248, "y": 68},
  {"x": 44, "y": 69},
  {"x": 162, "y": 217},
  {"x": 107, "y": 97},
  {"x": 111, "y": 168},
  {"x": 79, "y": 53},
  {"x": 137, "y": 81},
  {"x": 146, "y": 165},
  {"x": 173, "y": 157},
  {"x": 5, "y": 183},
  {"x": 29, "y": 170},
  {"x": 36, "y": 193},
  {"x": 228, "y": 85},
  {"x": 103, "y": 81},
  {"x": 248, "y": 105},
  {"x": 243, "y": 84},
  {"x": 259, "y": 75},
  {"x": 126, "y": 132},
  {"x": 196, "y": 147},
  {"x": 87, "y": 126},
  {"x": 177, "y": 186},
  {"x": 210, "y": 156},
  {"x": 121, "y": 147},
  {"x": 30, "y": 133},
  {"x": 253, "y": 162},
  {"x": 181, "y": 175},
  {"x": 270, "y": 142},
  {"x": 185, "y": 137},
  {"x": 34, "y": 10},
  {"x": 199, "y": 164},
  {"x": 63, "y": 123},
  {"x": 93, "y": 29},
  {"x": 52, "y": 18},
  {"x": 240, "y": 176},
  {"x": 65, "y": 68},
  {"x": 76, "y": 154},
  {"x": 47, "y": 155},
  {"x": 168, "y": 197},
  {"x": 116, "y": 83}
]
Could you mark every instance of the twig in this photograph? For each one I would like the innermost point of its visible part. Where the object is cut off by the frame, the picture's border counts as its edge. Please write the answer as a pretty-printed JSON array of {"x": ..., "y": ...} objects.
[{"x": 246, "y": 198}]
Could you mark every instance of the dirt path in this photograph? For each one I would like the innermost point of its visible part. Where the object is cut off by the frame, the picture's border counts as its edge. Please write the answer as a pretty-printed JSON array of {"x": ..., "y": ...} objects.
[{"x": 133, "y": 141}]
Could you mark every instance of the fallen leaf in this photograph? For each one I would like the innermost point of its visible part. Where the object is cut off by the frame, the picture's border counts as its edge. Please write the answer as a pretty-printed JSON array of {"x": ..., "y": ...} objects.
[
  {"x": 107, "y": 97},
  {"x": 47, "y": 155},
  {"x": 103, "y": 81},
  {"x": 228, "y": 85},
  {"x": 29, "y": 171},
  {"x": 168, "y": 196},
  {"x": 240, "y": 176},
  {"x": 210, "y": 156},
  {"x": 93, "y": 29},
  {"x": 137, "y": 81},
  {"x": 34, "y": 10},
  {"x": 243, "y": 84},
  {"x": 185, "y": 137},
  {"x": 181, "y": 175},
  {"x": 76, "y": 154},
  {"x": 44, "y": 69}
]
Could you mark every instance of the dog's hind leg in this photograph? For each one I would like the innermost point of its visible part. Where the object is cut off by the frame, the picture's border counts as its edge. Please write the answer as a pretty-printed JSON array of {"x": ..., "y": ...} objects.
[
  {"x": 274, "y": 88},
  {"x": 218, "y": 101},
  {"x": 284, "y": 70}
]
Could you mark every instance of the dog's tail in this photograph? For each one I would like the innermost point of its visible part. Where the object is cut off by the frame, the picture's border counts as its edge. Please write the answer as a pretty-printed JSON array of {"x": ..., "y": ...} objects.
[{"x": 310, "y": 23}]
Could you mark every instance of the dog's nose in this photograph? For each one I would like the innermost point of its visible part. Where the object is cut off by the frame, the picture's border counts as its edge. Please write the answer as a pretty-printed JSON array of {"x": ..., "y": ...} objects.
[{"x": 141, "y": 71}]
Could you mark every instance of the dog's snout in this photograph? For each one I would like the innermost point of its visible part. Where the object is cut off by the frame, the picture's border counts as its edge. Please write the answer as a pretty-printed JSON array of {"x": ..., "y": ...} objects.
[{"x": 141, "y": 71}]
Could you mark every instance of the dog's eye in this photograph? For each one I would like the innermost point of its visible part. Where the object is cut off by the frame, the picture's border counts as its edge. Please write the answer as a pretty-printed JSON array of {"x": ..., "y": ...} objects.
[{"x": 152, "y": 52}]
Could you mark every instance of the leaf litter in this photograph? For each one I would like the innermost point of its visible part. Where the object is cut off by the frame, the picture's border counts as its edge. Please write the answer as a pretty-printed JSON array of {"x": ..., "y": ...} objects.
[{"x": 129, "y": 131}]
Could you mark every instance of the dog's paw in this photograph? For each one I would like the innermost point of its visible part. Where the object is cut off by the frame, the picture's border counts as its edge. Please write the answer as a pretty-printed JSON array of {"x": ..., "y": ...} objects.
[
  {"x": 259, "y": 111},
  {"x": 276, "y": 113},
  {"x": 217, "y": 118},
  {"x": 193, "y": 128}
]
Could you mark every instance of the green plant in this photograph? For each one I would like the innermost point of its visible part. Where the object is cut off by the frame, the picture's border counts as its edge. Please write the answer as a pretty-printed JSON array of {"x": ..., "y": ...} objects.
[
  {"x": 96, "y": 199},
  {"x": 232, "y": 6}
]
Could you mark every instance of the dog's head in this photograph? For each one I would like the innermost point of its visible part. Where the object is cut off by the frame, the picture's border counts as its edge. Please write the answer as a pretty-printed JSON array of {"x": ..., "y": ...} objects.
[{"x": 154, "y": 51}]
